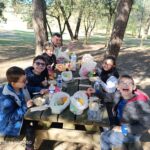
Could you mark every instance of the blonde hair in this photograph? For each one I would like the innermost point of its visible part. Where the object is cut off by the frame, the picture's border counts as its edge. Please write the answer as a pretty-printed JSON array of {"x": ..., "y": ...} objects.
[{"x": 48, "y": 46}]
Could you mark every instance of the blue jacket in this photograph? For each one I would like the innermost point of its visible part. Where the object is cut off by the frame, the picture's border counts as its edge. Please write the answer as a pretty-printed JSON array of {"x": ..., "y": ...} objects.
[
  {"x": 12, "y": 110},
  {"x": 35, "y": 81}
]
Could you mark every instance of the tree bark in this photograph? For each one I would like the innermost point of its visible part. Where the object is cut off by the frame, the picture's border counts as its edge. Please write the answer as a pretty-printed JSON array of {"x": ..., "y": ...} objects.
[
  {"x": 78, "y": 24},
  {"x": 39, "y": 24},
  {"x": 122, "y": 15},
  {"x": 147, "y": 27},
  {"x": 66, "y": 20}
]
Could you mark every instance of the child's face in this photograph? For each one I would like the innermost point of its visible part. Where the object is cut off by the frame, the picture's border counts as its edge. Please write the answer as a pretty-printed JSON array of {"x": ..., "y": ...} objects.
[
  {"x": 49, "y": 52},
  {"x": 39, "y": 66},
  {"x": 20, "y": 83},
  {"x": 107, "y": 64},
  {"x": 126, "y": 87}
]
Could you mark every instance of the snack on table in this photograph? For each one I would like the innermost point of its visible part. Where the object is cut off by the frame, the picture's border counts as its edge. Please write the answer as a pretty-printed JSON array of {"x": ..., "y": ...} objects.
[
  {"x": 80, "y": 100},
  {"x": 61, "y": 101},
  {"x": 66, "y": 75},
  {"x": 61, "y": 67},
  {"x": 39, "y": 101}
]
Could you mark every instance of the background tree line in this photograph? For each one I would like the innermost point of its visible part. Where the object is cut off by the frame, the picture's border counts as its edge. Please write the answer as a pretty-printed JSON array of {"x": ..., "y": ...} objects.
[{"x": 76, "y": 16}]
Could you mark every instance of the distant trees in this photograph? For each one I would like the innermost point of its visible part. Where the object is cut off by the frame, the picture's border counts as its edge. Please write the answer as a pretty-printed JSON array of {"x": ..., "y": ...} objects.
[
  {"x": 2, "y": 7},
  {"x": 75, "y": 16}
]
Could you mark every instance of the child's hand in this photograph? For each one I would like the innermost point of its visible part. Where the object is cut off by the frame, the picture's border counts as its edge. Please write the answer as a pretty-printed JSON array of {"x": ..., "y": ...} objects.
[
  {"x": 45, "y": 82},
  {"x": 29, "y": 103},
  {"x": 43, "y": 91},
  {"x": 90, "y": 91}
]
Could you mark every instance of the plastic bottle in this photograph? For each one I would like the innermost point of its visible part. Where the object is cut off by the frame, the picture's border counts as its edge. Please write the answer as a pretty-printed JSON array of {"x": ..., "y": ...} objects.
[
  {"x": 59, "y": 82},
  {"x": 124, "y": 129},
  {"x": 73, "y": 61},
  {"x": 97, "y": 86},
  {"x": 51, "y": 91}
]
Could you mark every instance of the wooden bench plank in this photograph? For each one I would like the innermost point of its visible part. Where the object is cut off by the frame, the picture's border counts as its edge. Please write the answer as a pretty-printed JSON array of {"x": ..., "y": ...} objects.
[{"x": 68, "y": 135}]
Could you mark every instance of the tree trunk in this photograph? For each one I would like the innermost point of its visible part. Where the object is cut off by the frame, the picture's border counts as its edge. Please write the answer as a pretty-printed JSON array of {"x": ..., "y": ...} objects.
[
  {"x": 49, "y": 28},
  {"x": 147, "y": 27},
  {"x": 66, "y": 20},
  {"x": 39, "y": 24},
  {"x": 78, "y": 24},
  {"x": 122, "y": 15}
]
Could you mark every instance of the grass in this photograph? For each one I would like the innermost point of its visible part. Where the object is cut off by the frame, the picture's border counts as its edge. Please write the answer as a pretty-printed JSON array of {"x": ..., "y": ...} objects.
[{"x": 18, "y": 38}]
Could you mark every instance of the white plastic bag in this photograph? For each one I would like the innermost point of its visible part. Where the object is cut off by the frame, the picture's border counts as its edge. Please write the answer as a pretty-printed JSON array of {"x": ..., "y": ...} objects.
[
  {"x": 59, "y": 102},
  {"x": 86, "y": 68},
  {"x": 87, "y": 58},
  {"x": 79, "y": 102},
  {"x": 62, "y": 56}
]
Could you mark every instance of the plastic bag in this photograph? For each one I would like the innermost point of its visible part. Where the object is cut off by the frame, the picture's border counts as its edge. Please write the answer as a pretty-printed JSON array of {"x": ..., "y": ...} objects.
[
  {"x": 86, "y": 68},
  {"x": 59, "y": 102},
  {"x": 94, "y": 112},
  {"x": 62, "y": 57},
  {"x": 79, "y": 102},
  {"x": 87, "y": 58}
]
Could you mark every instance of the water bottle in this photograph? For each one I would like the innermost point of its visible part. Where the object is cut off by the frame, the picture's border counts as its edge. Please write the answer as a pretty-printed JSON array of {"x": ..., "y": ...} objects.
[
  {"x": 51, "y": 91},
  {"x": 124, "y": 129},
  {"x": 73, "y": 61},
  {"x": 97, "y": 86},
  {"x": 59, "y": 82}
]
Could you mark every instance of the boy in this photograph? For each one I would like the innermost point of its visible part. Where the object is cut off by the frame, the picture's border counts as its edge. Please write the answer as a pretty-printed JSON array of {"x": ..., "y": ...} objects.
[
  {"x": 14, "y": 101},
  {"x": 37, "y": 76},
  {"x": 49, "y": 55},
  {"x": 132, "y": 113}
]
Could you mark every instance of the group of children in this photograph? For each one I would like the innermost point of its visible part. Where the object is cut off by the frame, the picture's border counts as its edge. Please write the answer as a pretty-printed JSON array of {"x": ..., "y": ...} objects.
[
  {"x": 15, "y": 96},
  {"x": 130, "y": 113}
]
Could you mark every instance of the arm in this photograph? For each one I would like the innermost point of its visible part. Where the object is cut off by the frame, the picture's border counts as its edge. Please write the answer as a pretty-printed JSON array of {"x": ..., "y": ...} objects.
[
  {"x": 137, "y": 116},
  {"x": 110, "y": 85},
  {"x": 13, "y": 110}
]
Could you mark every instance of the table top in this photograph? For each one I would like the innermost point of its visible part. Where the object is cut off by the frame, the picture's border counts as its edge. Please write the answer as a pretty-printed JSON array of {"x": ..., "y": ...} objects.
[{"x": 67, "y": 116}]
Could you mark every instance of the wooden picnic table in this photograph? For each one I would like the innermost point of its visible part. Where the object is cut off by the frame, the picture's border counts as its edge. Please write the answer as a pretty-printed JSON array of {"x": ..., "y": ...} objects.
[{"x": 68, "y": 121}]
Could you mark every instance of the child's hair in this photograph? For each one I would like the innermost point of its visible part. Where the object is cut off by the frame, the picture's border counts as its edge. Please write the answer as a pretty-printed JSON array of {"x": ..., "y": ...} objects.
[
  {"x": 127, "y": 77},
  {"x": 14, "y": 73},
  {"x": 39, "y": 57},
  {"x": 47, "y": 46},
  {"x": 111, "y": 58}
]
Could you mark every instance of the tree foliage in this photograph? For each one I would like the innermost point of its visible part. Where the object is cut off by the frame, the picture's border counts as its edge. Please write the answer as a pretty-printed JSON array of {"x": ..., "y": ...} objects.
[{"x": 2, "y": 7}]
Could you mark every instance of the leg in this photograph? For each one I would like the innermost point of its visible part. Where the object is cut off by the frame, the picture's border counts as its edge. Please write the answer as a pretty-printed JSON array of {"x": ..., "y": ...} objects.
[
  {"x": 110, "y": 138},
  {"x": 30, "y": 134}
]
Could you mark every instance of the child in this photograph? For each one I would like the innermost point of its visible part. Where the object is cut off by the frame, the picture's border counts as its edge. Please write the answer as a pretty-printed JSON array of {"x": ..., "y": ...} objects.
[
  {"x": 37, "y": 76},
  {"x": 14, "y": 101},
  {"x": 108, "y": 78},
  {"x": 50, "y": 59},
  {"x": 133, "y": 115},
  {"x": 49, "y": 55}
]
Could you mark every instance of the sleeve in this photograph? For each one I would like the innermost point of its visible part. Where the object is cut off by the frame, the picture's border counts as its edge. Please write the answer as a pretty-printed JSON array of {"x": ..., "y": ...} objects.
[
  {"x": 110, "y": 85},
  {"x": 17, "y": 112},
  {"x": 137, "y": 117},
  {"x": 33, "y": 89}
]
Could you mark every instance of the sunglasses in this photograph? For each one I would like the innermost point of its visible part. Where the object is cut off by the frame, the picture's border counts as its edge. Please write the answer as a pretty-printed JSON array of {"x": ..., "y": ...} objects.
[{"x": 39, "y": 63}]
